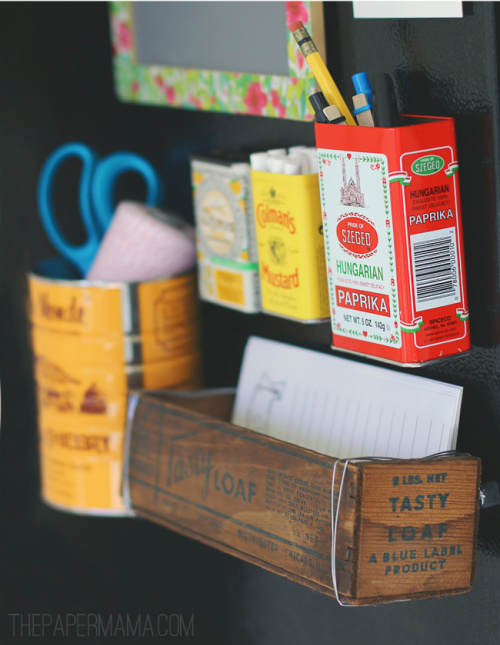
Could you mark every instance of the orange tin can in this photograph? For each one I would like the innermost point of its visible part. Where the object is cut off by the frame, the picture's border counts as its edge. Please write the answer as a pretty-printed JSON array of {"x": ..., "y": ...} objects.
[{"x": 94, "y": 342}]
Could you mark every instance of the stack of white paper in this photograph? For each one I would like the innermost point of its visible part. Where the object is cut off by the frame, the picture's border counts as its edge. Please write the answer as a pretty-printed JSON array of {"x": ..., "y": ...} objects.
[{"x": 343, "y": 408}]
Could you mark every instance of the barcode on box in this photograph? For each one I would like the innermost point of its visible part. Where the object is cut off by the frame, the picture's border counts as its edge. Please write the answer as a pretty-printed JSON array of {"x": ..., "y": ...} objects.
[{"x": 435, "y": 269}]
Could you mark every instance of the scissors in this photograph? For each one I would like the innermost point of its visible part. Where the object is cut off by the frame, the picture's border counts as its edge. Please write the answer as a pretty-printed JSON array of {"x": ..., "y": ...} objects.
[{"x": 96, "y": 191}]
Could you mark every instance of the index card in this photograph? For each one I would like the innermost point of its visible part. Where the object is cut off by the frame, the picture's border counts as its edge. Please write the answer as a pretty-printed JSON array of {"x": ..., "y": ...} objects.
[{"x": 341, "y": 407}]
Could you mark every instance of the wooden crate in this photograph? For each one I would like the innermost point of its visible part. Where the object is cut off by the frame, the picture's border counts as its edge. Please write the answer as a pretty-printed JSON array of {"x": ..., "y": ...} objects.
[{"x": 407, "y": 528}]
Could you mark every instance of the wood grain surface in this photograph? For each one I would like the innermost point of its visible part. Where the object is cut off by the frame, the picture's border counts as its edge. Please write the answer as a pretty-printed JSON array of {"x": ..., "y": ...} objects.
[{"x": 407, "y": 528}]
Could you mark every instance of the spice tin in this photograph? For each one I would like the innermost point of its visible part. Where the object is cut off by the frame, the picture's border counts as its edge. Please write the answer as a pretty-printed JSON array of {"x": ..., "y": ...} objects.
[
  {"x": 94, "y": 342},
  {"x": 393, "y": 240},
  {"x": 291, "y": 248},
  {"x": 228, "y": 269}
]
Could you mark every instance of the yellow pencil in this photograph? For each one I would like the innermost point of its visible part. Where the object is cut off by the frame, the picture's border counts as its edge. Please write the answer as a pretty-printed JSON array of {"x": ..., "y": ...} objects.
[{"x": 319, "y": 69}]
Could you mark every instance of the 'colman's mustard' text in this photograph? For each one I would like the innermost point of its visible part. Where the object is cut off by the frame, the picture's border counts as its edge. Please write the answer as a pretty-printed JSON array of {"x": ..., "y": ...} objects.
[{"x": 267, "y": 215}]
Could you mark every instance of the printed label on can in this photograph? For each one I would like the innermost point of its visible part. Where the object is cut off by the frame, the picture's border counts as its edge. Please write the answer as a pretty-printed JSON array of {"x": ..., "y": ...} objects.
[
  {"x": 228, "y": 283},
  {"x": 359, "y": 246},
  {"x": 92, "y": 345},
  {"x": 291, "y": 247},
  {"x": 225, "y": 235},
  {"x": 431, "y": 212},
  {"x": 222, "y": 201},
  {"x": 81, "y": 466},
  {"x": 79, "y": 309}
]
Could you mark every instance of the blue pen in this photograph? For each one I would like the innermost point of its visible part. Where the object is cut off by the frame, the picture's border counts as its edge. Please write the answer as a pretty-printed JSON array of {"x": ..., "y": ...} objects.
[
  {"x": 362, "y": 86},
  {"x": 362, "y": 100}
]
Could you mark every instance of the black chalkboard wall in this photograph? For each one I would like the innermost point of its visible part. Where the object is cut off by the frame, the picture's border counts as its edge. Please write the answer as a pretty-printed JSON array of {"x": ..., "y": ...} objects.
[{"x": 56, "y": 85}]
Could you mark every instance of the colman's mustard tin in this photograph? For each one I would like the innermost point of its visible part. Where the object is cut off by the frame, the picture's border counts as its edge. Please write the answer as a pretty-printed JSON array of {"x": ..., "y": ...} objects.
[{"x": 290, "y": 242}]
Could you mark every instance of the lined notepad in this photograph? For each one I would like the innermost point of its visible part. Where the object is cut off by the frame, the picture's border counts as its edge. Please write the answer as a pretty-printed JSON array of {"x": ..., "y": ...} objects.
[{"x": 343, "y": 408}]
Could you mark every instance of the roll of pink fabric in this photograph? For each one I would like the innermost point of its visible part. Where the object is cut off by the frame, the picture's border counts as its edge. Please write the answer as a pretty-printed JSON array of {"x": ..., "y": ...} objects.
[{"x": 143, "y": 243}]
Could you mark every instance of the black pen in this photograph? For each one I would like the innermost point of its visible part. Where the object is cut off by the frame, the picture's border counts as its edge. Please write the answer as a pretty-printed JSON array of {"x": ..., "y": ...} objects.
[{"x": 324, "y": 112}]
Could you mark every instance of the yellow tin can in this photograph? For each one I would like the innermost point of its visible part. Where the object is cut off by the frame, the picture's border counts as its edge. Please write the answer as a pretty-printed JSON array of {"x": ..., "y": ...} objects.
[
  {"x": 94, "y": 342},
  {"x": 289, "y": 229}
]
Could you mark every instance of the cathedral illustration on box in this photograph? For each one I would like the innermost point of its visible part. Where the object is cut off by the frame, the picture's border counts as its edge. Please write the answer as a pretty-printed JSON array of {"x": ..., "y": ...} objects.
[{"x": 350, "y": 193}]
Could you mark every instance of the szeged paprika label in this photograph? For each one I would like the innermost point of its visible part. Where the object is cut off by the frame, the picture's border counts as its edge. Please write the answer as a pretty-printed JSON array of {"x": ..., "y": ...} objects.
[
  {"x": 359, "y": 245},
  {"x": 431, "y": 211}
]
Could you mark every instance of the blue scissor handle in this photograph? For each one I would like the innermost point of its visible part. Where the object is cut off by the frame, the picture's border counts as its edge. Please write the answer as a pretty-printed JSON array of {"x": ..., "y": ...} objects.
[
  {"x": 106, "y": 175},
  {"x": 81, "y": 256}
]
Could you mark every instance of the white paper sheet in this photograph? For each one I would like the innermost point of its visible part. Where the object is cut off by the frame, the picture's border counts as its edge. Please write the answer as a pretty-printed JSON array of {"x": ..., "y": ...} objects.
[
  {"x": 407, "y": 9},
  {"x": 341, "y": 407}
]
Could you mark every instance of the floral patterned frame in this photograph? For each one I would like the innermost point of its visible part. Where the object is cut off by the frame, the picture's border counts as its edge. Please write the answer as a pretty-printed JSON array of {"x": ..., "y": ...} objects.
[{"x": 236, "y": 93}]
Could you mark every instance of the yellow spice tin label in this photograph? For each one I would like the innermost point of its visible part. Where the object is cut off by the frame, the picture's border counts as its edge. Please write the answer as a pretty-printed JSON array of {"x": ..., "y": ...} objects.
[
  {"x": 170, "y": 310},
  {"x": 73, "y": 307},
  {"x": 81, "y": 466},
  {"x": 116, "y": 349},
  {"x": 68, "y": 388},
  {"x": 161, "y": 307},
  {"x": 291, "y": 248},
  {"x": 93, "y": 343}
]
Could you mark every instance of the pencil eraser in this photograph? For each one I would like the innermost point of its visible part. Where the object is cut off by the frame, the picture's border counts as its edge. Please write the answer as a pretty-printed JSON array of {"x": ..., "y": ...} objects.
[
  {"x": 144, "y": 243},
  {"x": 295, "y": 26}
]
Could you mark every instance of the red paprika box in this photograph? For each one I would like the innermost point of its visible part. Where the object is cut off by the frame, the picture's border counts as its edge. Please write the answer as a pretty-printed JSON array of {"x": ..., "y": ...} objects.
[{"x": 393, "y": 239}]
